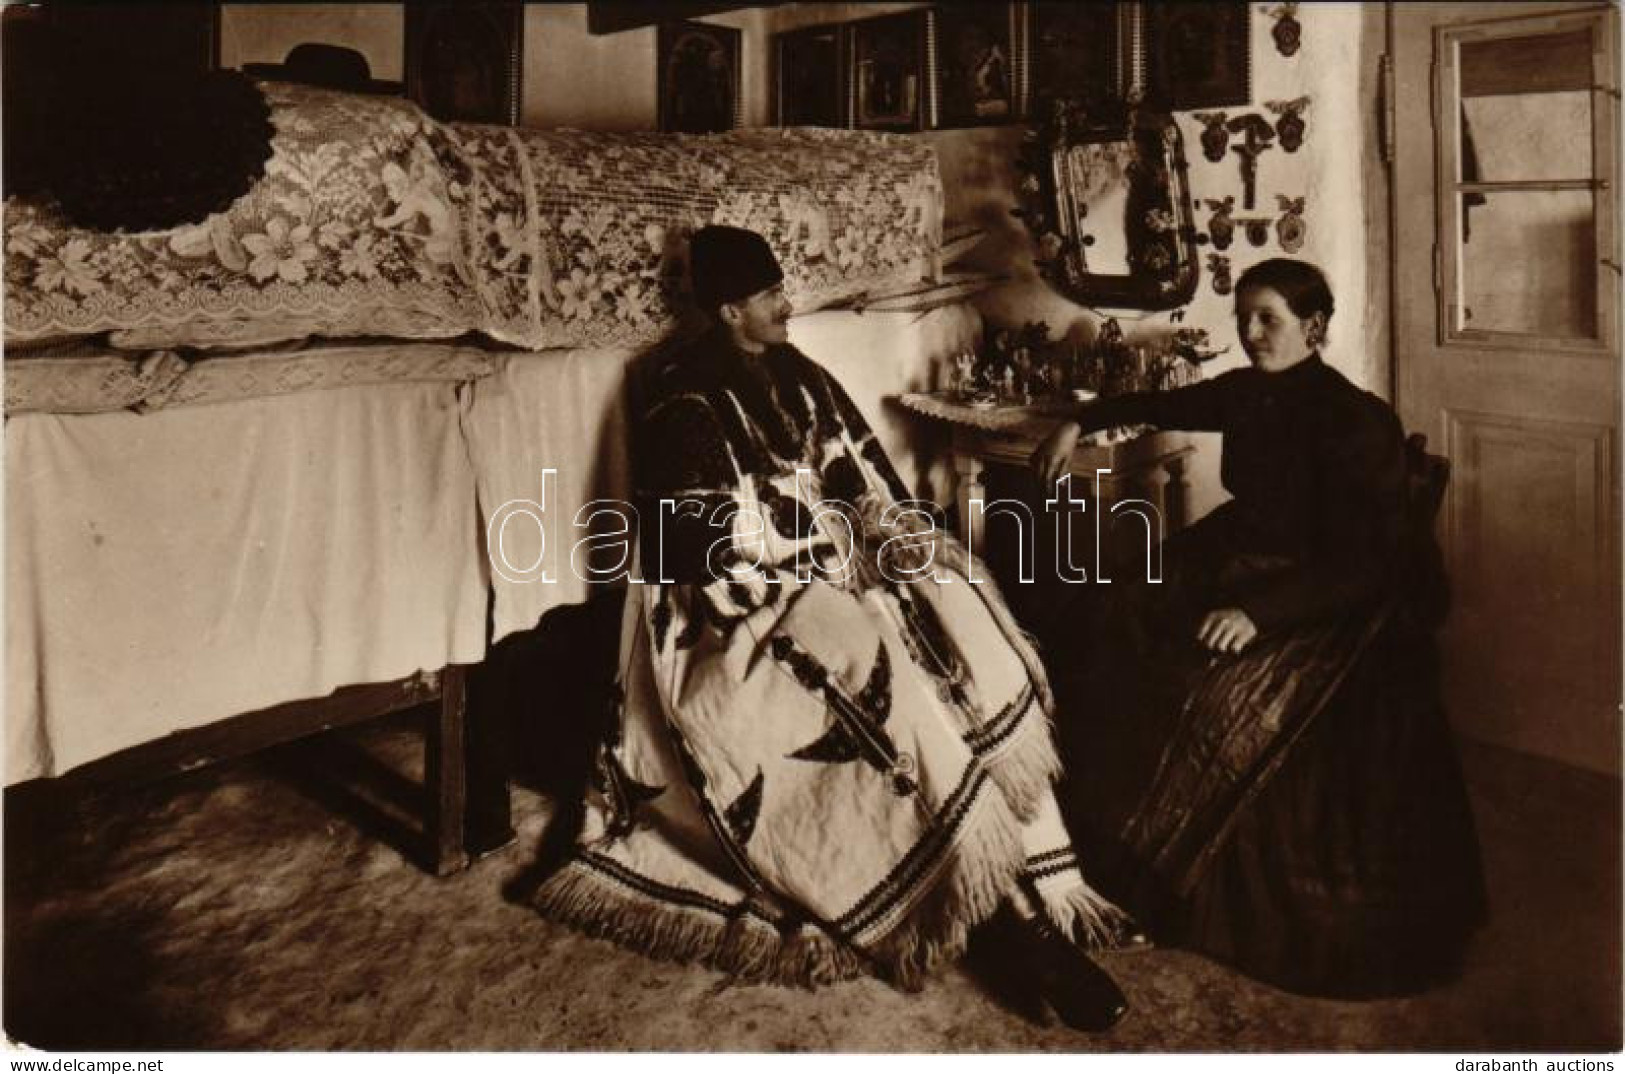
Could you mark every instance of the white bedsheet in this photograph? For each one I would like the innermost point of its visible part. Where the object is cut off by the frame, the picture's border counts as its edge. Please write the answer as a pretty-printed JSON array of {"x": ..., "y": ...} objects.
[
  {"x": 170, "y": 569},
  {"x": 167, "y": 570}
]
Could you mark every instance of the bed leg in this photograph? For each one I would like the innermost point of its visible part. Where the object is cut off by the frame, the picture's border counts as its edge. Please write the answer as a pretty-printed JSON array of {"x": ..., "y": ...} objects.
[
  {"x": 445, "y": 770},
  {"x": 490, "y": 815}
]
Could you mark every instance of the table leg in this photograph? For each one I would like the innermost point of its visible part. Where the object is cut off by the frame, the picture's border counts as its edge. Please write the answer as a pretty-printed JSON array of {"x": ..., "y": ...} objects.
[
  {"x": 969, "y": 469},
  {"x": 1177, "y": 493}
]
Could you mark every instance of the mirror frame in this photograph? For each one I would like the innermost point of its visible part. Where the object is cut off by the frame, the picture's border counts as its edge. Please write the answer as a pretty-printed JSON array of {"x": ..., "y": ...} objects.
[{"x": 1160, "y": 225}]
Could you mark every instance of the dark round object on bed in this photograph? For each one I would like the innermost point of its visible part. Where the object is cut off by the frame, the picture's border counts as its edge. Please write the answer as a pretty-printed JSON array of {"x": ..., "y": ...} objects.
[{"x": 161, "y": 152}]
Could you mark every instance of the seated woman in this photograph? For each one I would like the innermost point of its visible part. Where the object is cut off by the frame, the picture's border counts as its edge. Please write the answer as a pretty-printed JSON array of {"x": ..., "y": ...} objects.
[
  {"x": 833, "y": 755},
  {"x": 1258, "y": 764}
]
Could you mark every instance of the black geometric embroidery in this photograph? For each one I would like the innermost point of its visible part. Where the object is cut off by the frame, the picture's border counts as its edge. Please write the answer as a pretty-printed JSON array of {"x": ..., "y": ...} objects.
[
  {"x": 742, "y": 814},
  {"x": 843, "y": 480},
  {"x": 808, "y": 672},
  {"x": 694, "y": 622},
  {"x": 790, "y": 517},
  {"x": 623, "y": 795},
  {"x": 661, "y": 618},
  {"x": 857, "y": 731},
  {"x": 928, "y": 645},
  {"x": 836, "y": 746},
  {"x": 875, "y": 697}
]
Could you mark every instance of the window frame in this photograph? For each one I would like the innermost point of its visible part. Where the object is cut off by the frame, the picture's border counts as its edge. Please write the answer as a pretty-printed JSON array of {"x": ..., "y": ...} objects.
[{"x": 1448, "y": 253}]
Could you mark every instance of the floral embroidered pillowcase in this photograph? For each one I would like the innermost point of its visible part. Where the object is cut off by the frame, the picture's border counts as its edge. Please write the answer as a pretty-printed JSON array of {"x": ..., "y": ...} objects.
[{"x": 373, "y": 219}]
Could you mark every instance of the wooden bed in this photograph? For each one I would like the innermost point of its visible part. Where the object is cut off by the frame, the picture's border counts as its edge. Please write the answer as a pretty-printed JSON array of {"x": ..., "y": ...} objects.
[{"x": 250, "y": 462}]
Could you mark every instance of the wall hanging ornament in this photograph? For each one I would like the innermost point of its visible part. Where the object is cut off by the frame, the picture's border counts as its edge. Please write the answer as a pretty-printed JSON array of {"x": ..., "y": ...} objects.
[
  {"x": 1218, "y": 267},
  {"x": 1256, "y": 228},
  {"x": 1290, "y": 126},
  {"x": 1220, "y": 225},
  {"x": 1288, "y": 32},
  {"x": 1257, "y": 136},
  {"x": 1290, "y": 228},
  {"x": 1215, "y": 139}
]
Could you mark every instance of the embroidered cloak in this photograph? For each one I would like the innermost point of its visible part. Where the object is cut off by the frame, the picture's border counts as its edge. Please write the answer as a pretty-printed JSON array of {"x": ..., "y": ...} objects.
[{"x": 834, "y": 751}]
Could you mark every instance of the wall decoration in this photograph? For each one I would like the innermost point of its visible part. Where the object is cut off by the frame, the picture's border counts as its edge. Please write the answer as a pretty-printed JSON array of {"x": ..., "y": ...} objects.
[
  {"x": 1107, "y": 200},
  {"x": 975, "y": 48},
  {"x": 1077, "y": 50},
  {"x": 1288, "y": 34},
  {"x": 1257, "y": 136},
  {"x": 698, "y": 77},
  {"x": 1218, "y": 266},
  {"x": 1290, "y": 228},
  {"x": 1220, "y": 226},
  {"x": 1215, "y": 138},
  {"x": 1256, "y": 228},
  {"x": 1290, "y": 126},
  {"x": 1197, "y": 55},
  {"x": 888, "y": 72},
  {"x": 809, "y": 80},
  {"x": 464, "y": 61}
]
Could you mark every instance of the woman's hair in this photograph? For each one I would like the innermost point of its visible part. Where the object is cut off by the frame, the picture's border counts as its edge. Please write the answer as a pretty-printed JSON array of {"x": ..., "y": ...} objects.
[{"x": 1300, "y": 283}]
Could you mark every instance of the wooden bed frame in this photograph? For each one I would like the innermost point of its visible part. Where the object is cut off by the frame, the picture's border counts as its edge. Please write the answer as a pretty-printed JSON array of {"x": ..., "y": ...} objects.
[{"x": 466, "y": 808}]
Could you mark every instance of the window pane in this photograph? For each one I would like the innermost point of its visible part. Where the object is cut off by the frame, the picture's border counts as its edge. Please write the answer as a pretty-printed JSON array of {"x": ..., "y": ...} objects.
[
  {"x": 1526, "y": 108},
  {"x": 1529, "y": 263}
]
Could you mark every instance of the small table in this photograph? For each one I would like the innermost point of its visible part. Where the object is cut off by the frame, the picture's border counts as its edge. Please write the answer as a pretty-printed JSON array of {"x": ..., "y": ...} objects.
[{"x": 1148, "y": 465}]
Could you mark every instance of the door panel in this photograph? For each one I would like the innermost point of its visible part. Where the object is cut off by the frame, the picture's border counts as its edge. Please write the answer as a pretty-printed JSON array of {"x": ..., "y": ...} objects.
[{"x": 1506, "y": 319}]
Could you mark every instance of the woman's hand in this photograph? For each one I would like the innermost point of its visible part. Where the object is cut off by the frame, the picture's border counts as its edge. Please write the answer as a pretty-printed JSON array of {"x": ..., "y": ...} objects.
[
  {"x": 1227, "y": 630},
  {"x": 1050, "y": 458}
]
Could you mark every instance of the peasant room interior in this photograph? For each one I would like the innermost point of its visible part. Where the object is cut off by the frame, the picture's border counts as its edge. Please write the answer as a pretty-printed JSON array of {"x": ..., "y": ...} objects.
[{"x": 309, "y": 634}]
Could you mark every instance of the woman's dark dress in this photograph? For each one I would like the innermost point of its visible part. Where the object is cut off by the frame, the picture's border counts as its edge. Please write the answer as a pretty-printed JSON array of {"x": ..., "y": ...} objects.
[{"x": 1354, "y": 869}]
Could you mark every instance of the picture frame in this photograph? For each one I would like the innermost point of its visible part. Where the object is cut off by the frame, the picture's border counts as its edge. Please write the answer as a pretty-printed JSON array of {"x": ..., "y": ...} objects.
[
  {"x": 464, "y": 61},
  {"x": 1198, "y": 55},
  {"x": 698, "y": 77},
  {"x": 888, "y": 90},
  {"x": 1076, "y": 50},
  {"x": 809, "y": 77},
  {"x": 977, "y": 53}
]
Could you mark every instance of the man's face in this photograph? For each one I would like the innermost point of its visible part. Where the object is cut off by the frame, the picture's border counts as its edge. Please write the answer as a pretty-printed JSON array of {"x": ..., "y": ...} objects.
[{"x": 759, "y": 321}]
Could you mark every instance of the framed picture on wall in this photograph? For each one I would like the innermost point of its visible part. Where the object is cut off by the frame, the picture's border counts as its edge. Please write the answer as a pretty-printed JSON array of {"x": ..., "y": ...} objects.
[
  {"x": 887, "y": 75},
  {"x": 1077, "y": 50},
  {"x": 808, "y": 78},
  {"x": 1197, "y": 55},
  {"x": 464, "y": 60},
  {"x": 699, "y": 75},
  {"x": 976, "y": 48}
]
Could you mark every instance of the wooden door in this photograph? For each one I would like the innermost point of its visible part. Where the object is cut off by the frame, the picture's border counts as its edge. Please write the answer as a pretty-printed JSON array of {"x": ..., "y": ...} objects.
[{"x": 1506, "y": 329}]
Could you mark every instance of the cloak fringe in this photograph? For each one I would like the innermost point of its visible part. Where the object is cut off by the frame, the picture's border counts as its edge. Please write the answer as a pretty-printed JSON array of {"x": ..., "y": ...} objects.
[
  {"x": 979, "y": 873},
  {"x": 975, "y": 876},
  {"x": 1085, "y": 916},
  {"x": 1026, "y": 766},
  {"x": 743, "y": 946}
]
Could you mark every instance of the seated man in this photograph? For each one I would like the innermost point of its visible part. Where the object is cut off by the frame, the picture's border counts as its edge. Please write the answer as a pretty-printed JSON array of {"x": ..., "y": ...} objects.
[{"x": 833, "y": 755}]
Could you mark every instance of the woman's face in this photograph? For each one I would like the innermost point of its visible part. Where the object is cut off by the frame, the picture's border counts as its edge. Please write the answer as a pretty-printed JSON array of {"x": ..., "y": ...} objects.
[{"x": 1273, "y": 336}]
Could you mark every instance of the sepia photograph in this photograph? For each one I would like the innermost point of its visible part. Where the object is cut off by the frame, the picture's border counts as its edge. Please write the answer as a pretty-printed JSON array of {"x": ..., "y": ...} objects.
[
  {"x": 699, "y": 77},
  {"x": 809, "y": 78},
  {"x": 464, "y": 60},
  {"x": 700, "y": 532},
  {"x": 888, "y": 72},
  {"x": 1197, "y": 53},
  {"x": 976, "y": 64}
]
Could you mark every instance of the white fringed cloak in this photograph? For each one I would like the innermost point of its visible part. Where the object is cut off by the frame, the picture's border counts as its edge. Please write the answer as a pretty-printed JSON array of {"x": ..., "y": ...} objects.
[{"x": 819, "y": 770}]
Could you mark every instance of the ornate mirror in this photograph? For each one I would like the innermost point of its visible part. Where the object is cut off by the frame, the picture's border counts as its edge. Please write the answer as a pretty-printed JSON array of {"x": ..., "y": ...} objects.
[{"x": 1108, "y": 201}]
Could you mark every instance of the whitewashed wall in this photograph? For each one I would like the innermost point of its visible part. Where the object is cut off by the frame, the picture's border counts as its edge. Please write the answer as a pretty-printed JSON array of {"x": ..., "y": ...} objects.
[{"x": 1338, "y": 170}]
